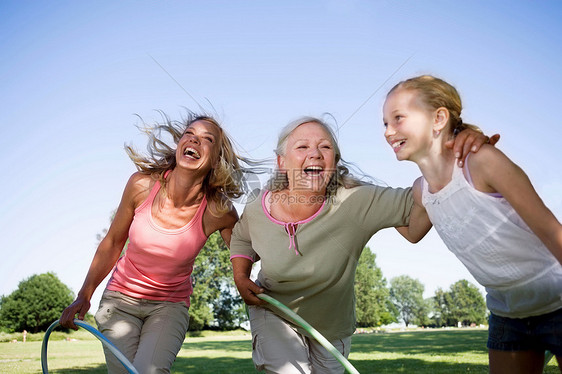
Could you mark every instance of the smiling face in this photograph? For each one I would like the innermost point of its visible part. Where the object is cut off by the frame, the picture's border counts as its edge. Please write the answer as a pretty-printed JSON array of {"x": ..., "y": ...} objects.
[
  {"x": 198, "y": 148},
  {"x": 408, "y": 124},
  {"x": 309, "y": 158}
]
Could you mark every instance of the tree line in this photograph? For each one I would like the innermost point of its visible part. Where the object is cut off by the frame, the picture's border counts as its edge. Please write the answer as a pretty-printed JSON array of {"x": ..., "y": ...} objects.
[
  {"x": 215, "y": 304},
  {"x": 402, "y": 300}
]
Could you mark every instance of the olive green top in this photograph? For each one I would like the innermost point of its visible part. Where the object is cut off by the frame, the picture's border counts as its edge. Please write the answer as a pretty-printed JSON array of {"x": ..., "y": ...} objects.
[{"x": 313, "y": 271}]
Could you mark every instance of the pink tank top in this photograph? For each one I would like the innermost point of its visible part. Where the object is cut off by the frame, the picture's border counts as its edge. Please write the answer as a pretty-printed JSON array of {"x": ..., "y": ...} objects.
[{"x": 158, "y": 262}]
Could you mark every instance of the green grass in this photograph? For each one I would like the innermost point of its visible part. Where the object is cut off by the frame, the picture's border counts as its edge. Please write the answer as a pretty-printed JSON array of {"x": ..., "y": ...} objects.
[{"x": 425, "y": 352}]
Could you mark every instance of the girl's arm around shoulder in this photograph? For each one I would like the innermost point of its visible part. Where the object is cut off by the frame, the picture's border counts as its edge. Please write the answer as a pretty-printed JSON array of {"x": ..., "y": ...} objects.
[
  {"x": 492, "y": 171},
  {"x": 419, "y": 221}
]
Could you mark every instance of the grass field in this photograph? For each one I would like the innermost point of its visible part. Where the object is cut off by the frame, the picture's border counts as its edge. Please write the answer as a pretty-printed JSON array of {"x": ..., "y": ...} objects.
[{"x": 429, "y": 352}]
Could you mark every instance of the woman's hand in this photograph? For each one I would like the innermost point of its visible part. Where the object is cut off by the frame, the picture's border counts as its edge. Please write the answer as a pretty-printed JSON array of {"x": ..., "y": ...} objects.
[
  {"x": 80, "y": 306},
  {"x": 248, "y": 290},
  {"x": 241, "y": 268},
  {"x": 468, "y": 141}
]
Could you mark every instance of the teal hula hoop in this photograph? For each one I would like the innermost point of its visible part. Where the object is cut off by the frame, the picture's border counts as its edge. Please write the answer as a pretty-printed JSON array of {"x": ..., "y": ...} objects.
[
  {"x": 547, "y": 357},
  {"x": 120, "y": 356},
  {"x": 311, "y": 330}
]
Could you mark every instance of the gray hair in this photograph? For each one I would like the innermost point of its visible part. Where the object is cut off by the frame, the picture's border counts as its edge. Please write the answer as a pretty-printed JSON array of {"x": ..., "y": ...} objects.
[{"x": 341, "y": 177}]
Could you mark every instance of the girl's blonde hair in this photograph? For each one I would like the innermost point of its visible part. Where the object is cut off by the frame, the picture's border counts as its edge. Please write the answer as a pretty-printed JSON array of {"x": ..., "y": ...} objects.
[
  {"x": 341, "y": 177},
  {"x": 223, "y": 182},
  {"x": 435, "y": 93}
]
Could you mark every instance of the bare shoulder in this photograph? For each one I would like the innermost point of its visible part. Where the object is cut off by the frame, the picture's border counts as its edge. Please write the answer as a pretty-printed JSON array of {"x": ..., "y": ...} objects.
[
  {"x": 486, "y": 156},
  {"x": 490, "y": 167},
  {"x": 230, "y": 218},
  {"x": 138, "y": 187},
  {"x": 417, "y": 185},
  {"x": 141, "y": 179},
  {"x": 219, "y": 221}
]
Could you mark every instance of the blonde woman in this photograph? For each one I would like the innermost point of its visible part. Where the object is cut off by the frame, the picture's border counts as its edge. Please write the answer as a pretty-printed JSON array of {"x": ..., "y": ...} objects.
[{"x": 169, "y": 207}]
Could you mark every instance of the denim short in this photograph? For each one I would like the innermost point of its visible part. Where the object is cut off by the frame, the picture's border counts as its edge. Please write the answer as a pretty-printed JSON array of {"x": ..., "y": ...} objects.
[{"x": 537, "y": 333}]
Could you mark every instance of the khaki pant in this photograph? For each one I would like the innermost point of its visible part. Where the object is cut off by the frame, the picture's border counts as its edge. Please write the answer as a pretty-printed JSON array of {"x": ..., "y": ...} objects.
[
  {"x": 148, "y": 332},
  {"x": 277, "y": 347}
]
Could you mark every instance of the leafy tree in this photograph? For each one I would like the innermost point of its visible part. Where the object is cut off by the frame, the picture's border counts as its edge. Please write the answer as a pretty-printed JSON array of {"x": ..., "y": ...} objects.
[
  {"x": 35, "y": 304},
  {"x": 462, "y": 303},
  {"x": 215, "y": 300},
  {"x": 371, "y": 294},
  {"x": 468, "y": 303},
  {"x": 421, "y": 315},
  {"x": 441, "y": 302},
  {"x": 406, "y": 294},
  {"x": 200, "y": 312}
]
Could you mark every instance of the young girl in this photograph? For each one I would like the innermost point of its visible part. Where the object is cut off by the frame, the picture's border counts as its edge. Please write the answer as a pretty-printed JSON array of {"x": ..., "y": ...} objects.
[{"x": 508, "y": 239}]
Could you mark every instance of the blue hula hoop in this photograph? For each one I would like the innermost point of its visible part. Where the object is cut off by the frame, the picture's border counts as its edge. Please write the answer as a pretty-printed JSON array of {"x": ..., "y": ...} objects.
[{"x": 120, "y": 356}]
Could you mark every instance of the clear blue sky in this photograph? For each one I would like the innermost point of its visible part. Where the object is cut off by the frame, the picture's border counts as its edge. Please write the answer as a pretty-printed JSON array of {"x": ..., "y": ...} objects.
[{"x": 73, "y": 74}]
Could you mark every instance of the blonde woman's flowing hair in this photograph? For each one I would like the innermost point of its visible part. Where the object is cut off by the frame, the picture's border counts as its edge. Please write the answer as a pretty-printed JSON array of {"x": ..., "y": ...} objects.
[
  {"x": 435, "y": 93},
  {"x": 341, "y": 176},
  {"x": 223, "y": 182}
]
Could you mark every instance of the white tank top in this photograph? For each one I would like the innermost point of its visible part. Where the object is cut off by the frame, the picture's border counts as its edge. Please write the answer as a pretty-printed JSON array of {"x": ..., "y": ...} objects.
[{"x": 522, "y": 278}]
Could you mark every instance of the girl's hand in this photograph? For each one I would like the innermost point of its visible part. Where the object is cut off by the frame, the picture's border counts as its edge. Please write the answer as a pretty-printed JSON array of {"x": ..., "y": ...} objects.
[
  {"x": 468, "y": 141},
  {"x": 80, "y": 306}
]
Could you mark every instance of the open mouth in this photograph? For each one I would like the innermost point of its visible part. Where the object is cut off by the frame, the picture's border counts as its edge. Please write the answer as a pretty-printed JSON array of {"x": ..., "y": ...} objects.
[
  {"x": 397, "y": 144},
  {"x": 313, "y": 171},
  {"x": 191, "y": 152}
]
